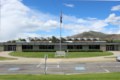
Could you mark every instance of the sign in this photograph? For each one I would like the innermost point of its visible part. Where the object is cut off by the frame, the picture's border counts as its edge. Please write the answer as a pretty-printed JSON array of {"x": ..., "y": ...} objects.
[
  {"x": 60, "y": 53},
  {"x": 46, "y": 56},
  {"x": 79, "y": 68}
]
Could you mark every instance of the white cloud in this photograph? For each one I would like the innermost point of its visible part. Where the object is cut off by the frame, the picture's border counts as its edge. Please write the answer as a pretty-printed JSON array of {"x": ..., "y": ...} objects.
[
  {"x": 94, "y": 26},
  {"x": 113, "y": 20},
  {"x": 16, "y": 18},
  {"x": 116, "y": 8},
  {"x": 68, "y": 5},
  {"x": 91, "y": 18},
  {"x": 79, "y": 25},
  {"x": 81, "y": 21}
]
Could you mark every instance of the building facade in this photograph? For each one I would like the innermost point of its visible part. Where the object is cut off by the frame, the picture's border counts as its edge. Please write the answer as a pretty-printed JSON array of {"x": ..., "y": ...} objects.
[{"x": 73, "y": 43}]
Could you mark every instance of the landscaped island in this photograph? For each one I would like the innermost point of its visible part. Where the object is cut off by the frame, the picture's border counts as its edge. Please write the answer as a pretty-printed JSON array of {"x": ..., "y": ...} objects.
[
  {"x": 52, "y": 54},
  {"x": 5, "y": 58}
]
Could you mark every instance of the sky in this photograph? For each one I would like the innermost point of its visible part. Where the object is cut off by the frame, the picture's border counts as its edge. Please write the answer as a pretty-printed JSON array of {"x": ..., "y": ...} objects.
[{"x": 41, "y": 18}]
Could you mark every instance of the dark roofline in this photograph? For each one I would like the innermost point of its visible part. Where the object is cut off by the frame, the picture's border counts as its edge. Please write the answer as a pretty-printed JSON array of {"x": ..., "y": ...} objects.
[{"x": 80, "y": 43}]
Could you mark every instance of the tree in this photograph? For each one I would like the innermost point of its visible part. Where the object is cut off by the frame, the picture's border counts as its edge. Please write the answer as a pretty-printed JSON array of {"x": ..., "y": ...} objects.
[
  {"x": 54, "y": 39},
  {"x": 22, "y": 39},
  {"x": 62, "y": 39},
  {"x": 9, "y": 41},
  {"x": 13, "y": 41}
]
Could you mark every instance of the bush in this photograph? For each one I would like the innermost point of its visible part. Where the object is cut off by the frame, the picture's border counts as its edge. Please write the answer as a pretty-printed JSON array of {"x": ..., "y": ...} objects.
[{"x": 71, "y": 50}]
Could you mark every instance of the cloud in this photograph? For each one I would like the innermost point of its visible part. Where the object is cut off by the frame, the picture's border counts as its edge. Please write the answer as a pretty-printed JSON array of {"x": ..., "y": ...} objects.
[
  {"x": 16, "y": 19},
  {"x": 113, "y": 20},
  {"x": 68, "y": 5},
  {"x": 81, "y": 21},
  {"x": 79, "y": 25},
  {"x": 91, "y": 18},
  {"x": 116, "y": 8},
  {"x": 95, "y": 26}
]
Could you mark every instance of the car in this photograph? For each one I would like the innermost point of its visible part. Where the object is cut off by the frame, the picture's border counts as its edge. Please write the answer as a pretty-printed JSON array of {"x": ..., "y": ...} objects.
[{"x": 118, "y": 58}]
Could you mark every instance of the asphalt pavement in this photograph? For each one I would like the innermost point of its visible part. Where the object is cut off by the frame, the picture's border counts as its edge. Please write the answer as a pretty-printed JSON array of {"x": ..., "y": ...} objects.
[{"x": 60, "y": 67}]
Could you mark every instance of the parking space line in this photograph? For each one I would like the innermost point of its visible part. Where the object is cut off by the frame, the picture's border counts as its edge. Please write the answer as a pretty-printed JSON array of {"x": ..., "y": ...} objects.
[
  {"x": 39, "y": 64},
  {"x": 50, "y": 61},
  {"x": 109, "y": 66},
  {"x": 104, "y": 69},
  {"x": 101, "y": 62},
  {"x": 53, "y": 66},
  {"x": 58, "y": 66}
]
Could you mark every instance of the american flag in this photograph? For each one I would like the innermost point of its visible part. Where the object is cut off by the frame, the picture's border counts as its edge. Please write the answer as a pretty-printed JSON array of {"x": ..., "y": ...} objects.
[{"x": 60, "y": 16}]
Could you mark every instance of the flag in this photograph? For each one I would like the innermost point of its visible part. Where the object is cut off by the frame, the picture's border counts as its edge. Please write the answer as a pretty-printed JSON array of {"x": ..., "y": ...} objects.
[{"x": 60, "y": 16}]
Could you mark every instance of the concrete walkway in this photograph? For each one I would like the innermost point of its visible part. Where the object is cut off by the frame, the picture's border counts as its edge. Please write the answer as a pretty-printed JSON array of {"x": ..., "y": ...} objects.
[{"x": 23, "y": 59}]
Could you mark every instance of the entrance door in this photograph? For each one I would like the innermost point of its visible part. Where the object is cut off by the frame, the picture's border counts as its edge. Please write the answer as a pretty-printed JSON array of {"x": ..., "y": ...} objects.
[
  {"x": 107, "y": 48},
  {"x": 12, "y": 48},
  {"x": 110, "y": 47}
]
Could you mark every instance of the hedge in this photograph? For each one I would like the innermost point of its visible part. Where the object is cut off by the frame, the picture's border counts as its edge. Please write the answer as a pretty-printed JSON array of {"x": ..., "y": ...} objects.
[{"x": 29, "y": 50}]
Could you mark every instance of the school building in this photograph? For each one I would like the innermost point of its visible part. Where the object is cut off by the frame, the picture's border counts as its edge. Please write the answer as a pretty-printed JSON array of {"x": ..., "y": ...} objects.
[{"x": 68, "y": 43}]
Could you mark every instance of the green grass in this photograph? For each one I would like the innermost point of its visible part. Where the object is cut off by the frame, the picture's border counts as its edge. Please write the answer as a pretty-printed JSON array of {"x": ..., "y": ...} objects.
[
  {"x": 94, "y": 76},
  {"x": 52, "y": 54},
  {"x": 110, "y": 57},
  {"x": 5, "y": 58}
]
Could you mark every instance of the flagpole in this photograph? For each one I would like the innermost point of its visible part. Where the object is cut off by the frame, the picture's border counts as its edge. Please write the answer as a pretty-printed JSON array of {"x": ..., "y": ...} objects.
[
  {"x": 60, "y": 36},
  {"x": 60, "y": 30}
]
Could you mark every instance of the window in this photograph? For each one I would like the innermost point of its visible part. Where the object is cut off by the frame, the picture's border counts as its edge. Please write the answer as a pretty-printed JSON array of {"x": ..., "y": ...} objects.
[
  {"x": 70, "y": 47},
  {"x": 50, "y": 47},
  {"x": 94, "y": 46},
  {"x": 27, "y": 46},
  {"x": 46, "y": 47},
  {"x": 79, "y": 46},
  {"x": 43, "y": 47}
]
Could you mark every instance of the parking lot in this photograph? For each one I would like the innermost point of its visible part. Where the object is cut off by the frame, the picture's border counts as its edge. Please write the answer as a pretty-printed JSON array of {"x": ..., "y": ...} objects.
[{"x": 60, "y": 67}]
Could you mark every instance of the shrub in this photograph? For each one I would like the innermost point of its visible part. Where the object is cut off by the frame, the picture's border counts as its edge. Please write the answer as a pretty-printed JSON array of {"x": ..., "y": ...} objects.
[{"x": 71, "y": 50}]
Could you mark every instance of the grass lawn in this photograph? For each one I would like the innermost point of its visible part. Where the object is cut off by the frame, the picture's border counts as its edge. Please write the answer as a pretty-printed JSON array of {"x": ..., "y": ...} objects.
[
  {"x": 4, "y": 58},
  {"x": 94, "y": 76},
  {"x": 52, "y": 54}
]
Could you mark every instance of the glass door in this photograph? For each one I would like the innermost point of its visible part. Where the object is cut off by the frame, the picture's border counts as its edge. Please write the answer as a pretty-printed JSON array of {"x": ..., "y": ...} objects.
[
  {"x": 107, "y": 48},
  {"x": 110, "y": 48},
  {"x": 12, "y": 48}
]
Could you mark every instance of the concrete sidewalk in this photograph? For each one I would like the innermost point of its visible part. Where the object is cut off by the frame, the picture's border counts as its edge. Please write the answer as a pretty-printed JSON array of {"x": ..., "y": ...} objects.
[
  {"x": 101, "y": 58},
  {"x": 22, "y": 59}
]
